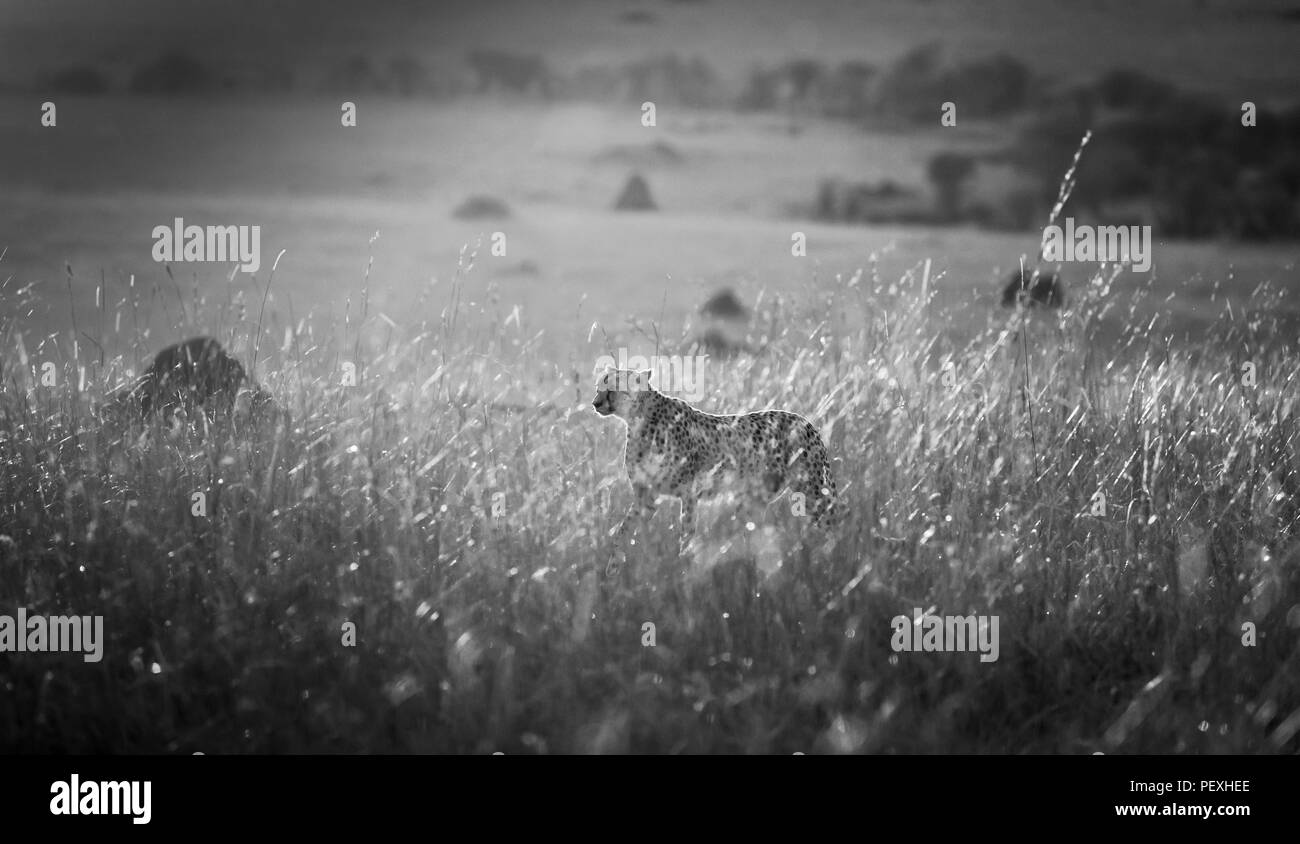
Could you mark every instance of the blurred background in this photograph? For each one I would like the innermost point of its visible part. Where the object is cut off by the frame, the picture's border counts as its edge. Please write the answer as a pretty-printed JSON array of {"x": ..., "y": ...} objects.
[
  {"x": 777, "y": 124},
  {"x": 525, "y": 118}
]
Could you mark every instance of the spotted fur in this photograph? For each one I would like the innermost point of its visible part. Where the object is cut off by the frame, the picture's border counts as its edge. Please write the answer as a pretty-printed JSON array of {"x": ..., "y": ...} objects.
[{"x": 675, "y": 450}]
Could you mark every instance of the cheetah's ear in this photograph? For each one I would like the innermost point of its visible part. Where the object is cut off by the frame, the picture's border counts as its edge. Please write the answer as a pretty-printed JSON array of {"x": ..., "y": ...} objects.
[{"x": 643, "y": 377}]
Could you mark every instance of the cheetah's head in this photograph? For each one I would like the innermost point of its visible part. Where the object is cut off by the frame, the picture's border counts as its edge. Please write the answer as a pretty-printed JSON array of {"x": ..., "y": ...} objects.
[{"x": 617, "y": 388}]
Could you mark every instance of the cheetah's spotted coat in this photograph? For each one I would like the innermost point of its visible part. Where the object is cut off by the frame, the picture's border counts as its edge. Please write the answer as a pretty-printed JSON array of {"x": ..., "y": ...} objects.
[{"x": 675, "y": 450}]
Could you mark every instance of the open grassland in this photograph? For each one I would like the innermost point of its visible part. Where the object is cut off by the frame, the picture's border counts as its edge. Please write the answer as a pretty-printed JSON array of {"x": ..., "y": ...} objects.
[
  {"x": 732, "y": 195},
  {"x": 454, "y": 504}
]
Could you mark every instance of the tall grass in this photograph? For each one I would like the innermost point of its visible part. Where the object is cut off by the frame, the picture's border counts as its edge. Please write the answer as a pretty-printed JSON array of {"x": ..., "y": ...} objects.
[{"x": 479, "y": 631}]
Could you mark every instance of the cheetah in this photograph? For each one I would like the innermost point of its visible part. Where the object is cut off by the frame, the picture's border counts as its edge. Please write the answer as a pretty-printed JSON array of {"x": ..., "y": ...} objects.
[
  {"x": 195, "y": 374},
  {"x": 678, "y": 451}
]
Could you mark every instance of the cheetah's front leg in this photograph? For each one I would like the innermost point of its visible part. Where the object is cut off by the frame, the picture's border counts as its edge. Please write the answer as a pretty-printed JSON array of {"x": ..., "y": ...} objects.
[{"x": 642, "y": 510}]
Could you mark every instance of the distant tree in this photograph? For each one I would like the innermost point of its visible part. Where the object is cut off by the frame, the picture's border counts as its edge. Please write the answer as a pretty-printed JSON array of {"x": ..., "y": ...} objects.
[
  {"x": 1071, "y": 103},
  {"x": 1110, "y": 171},
  {"x": 512, "y": 72},
  {"x": 1043, "y": 150},
  {"x": 1262, "y": 209},
  {"x": 759, "y": 93},
  {"x": 1025, "y": 209},
  {"x": 828, "y": 200},
  {"x": 357, "y": 74},
  {"x": 639, "y": 17},
  {"x": 409, "y": 77},
  {"x": 797, "y": 83},
  {"x": 172, "y": 73},
  {"x": 1174, "y": 152},
  {"x": 989, "y": 87},
  {"x": 948, "y": 172},
  {"x": 601, "y": 83},
  {"x": 1194, "y": 196},
  {"x": 1133, "y": 89},
  {"x": 81, "y": 79},
  {"x": 1285, "y": 171},
  {"x": 911, "y": 87},
  {"x": 848, "y": 90},
  {"x": 804, "y": 75},
  {"x": 671, "y": 79}
]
